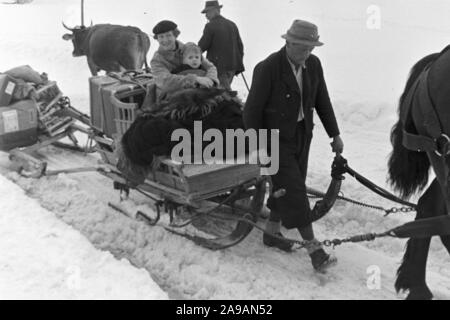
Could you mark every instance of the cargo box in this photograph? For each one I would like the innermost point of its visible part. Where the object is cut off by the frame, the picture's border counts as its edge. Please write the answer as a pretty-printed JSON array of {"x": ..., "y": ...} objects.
[
  {"x": 7, "y": 86},
  {"x": 104, "y": 91},
  {"x": 18, "y": 125}
]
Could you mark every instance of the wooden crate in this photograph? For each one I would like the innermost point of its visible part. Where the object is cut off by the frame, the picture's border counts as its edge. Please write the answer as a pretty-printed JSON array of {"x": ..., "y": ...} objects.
[
  {"x": 202, "y": 181},
  {"x": 48, "y": 98}
]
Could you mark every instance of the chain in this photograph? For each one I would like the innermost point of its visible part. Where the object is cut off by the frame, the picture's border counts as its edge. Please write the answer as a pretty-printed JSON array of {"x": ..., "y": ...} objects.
[
  {"x": 300, "y": 243},
  {"x": 328, "y": 242},
  {"x": 401, "y": 209},
  {"x": 366, "y": 205}
]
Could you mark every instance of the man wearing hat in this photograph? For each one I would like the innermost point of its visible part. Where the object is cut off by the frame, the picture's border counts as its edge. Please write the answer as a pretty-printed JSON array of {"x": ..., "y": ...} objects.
[
  {"x": 223, "y": 44},
  {"x": 286, "y": 89}
]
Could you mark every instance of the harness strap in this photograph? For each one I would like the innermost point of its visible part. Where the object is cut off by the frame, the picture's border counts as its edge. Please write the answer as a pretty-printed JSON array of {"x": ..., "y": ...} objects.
[
  {"x": 418, "y": 143},
  {"x": 436, "y": 141},
  {"x": 424, "y": 228}
]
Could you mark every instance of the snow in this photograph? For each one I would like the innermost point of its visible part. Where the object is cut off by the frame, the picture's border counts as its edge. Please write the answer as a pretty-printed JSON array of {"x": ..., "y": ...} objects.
[
  {"x": 44, "y": 258},
  {"x": 53, "y": 227}
]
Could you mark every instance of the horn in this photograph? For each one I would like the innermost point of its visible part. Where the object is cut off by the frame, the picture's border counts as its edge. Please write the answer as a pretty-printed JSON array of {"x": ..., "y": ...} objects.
[
  {"x": 64, "y": 25},
  {"x": 91, "y": 24},
  {"x": 82, "y": 13}
]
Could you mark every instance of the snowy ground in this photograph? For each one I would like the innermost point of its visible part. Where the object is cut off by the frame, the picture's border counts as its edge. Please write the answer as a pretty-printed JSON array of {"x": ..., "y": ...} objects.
[
  {"x": 365, "y": 70},
  {"x": 42, "y": 257}
]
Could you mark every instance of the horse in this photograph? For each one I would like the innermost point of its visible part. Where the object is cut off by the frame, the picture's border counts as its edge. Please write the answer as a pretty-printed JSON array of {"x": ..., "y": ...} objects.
[{"x": 420, "y": 140}]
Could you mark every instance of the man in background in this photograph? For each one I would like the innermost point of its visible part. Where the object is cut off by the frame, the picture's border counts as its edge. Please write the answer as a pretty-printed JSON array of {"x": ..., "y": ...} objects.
[{"x": 223, "y": 44}]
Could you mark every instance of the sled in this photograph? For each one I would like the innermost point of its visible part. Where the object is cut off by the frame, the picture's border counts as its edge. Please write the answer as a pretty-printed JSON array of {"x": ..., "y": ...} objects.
[
  {"x": 233, "y": 194},
  {"x": 58, "y": 121},
  {"x": 222, "y": 201}
]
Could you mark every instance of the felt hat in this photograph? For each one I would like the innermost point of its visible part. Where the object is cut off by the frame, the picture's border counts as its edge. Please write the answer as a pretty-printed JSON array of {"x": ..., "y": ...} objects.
[
  {"x": 211, "y": 4},
  {"x": 303, "y": 32}
]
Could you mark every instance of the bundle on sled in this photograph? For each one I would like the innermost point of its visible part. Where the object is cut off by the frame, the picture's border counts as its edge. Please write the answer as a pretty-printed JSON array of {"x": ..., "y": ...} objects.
[
  {"x": 34, "y": 114},
  {"x": 223, "y": 201}
]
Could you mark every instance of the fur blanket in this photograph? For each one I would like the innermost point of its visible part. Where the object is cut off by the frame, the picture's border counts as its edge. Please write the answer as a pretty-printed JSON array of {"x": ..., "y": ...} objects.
[{"x": 150, "y": 134}]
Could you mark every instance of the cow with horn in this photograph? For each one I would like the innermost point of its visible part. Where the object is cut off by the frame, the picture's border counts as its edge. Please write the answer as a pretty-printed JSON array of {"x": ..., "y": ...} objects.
[{"x": 109, "y": 47}]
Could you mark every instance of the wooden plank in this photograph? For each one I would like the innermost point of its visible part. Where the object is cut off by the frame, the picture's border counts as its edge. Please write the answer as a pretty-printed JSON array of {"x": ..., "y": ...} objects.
[
  {"x": 169, "y": 180},
  {"x": 107, "y": 141},
  {"x": 203, "y": 179},
  {"x": 168, "y": 193},
  {"x": 198, "y": 169},
  {"x": 60, "y": 125},
  {"x": 223, "y": 178},
  {"x": 51, "y": 103},
  {"x": 45, "y": 87}
]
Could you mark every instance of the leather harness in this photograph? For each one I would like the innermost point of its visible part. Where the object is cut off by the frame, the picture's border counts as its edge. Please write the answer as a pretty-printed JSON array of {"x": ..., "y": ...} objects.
[{"x": 436, "y": 141}]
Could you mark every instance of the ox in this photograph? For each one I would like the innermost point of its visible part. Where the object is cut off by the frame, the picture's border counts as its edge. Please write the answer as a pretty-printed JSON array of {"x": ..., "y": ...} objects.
[{"x": 110, "y": 47}]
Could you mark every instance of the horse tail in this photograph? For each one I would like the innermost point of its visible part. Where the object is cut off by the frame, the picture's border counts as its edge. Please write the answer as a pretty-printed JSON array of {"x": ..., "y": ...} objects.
[{"x": 408, "y": 170}]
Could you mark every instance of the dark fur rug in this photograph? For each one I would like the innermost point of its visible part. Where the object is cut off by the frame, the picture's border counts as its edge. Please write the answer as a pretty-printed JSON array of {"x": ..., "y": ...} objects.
[{"x": 150, "y": 134}]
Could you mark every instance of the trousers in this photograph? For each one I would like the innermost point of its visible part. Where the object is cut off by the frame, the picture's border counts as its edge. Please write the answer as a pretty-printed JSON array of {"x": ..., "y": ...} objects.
[
  {"x": 226, "y": 78},
  {"x": 292, "y": 209}
]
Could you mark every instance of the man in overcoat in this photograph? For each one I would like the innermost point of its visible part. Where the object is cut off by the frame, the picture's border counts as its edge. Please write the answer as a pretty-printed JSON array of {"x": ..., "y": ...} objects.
[
  {"x": 286, "y": 89},
  {"x": 223, "y": 44}
]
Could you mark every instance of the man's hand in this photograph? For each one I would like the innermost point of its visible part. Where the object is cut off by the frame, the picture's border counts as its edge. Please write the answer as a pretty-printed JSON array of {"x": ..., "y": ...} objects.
[
  {"x": 205, "y": 82},
  {"x": 337, "y": 145}
]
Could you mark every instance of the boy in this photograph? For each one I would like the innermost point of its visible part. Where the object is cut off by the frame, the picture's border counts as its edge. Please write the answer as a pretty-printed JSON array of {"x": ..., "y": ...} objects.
[{"x": 192, "y": 61}]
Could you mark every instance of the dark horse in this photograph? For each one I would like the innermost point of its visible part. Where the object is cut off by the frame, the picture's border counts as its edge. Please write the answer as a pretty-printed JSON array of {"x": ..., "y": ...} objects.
[{"x": 420, "y": 139}]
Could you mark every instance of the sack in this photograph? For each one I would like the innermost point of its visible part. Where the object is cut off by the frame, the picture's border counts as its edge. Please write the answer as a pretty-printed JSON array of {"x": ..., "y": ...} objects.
[
  {"x": 23, "y": 91},
  {"x": 27, "y": 74}
]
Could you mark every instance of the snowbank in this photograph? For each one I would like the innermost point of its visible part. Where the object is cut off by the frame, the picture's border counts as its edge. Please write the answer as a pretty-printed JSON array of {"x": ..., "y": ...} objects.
[{"x": 44, "y": 258}]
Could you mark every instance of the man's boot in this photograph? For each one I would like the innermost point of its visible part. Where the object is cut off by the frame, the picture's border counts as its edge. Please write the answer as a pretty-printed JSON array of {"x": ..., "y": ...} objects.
[
  {"x": 321, "y": 260},
  {"x": 273, "y": 228},
  {"x": 281, "y": 244}
]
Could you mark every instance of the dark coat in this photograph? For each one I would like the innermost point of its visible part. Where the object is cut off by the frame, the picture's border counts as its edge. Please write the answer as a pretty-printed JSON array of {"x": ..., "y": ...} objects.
[
  {"x": 223, "y": 43},
  {"x": 273, "y": 103},
  {"x": 274, "y": 98}
]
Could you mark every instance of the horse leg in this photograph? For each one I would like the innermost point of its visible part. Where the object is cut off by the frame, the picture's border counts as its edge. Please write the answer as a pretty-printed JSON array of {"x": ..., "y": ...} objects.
[
  {"x": 412, "y": 272},
  {"x": 440, "y": 173}
]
